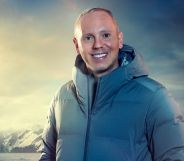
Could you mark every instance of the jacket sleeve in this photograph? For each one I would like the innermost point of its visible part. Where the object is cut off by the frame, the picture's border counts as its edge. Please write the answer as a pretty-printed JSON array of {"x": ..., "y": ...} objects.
[
  {"x": 49, "y": 136},
  {"x": 165, "y": 128}
]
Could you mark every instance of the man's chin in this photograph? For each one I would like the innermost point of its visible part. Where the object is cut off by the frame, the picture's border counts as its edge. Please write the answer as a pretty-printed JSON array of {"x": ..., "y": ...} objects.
[{"x": 101, "y": 71}]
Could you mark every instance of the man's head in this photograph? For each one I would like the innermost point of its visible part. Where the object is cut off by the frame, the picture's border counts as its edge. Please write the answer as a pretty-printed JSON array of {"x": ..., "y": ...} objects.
[{"x": 97, "y": 39}]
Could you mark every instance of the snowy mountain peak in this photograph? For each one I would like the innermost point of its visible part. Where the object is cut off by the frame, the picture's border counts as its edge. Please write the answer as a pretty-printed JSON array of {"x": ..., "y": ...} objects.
[{"x": 21, "y": 141}]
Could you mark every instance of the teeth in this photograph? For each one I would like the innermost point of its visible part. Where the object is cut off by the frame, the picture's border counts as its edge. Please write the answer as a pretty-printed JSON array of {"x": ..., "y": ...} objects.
[{"x": 101, "y": 55}]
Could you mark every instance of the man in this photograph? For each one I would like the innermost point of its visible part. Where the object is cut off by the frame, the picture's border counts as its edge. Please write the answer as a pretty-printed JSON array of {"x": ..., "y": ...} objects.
[{"x": 111, "y": 110}]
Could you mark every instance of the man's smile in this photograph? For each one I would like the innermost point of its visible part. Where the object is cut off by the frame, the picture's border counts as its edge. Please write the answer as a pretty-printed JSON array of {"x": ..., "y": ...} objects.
[{"x": 100, "y": 55}]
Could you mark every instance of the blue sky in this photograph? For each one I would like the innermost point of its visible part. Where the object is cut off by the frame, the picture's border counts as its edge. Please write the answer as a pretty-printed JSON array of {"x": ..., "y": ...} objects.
[{"x": 37, "y": 53}]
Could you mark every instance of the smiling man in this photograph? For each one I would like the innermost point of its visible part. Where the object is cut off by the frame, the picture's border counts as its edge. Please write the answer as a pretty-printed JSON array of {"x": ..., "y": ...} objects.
[
  {"x": 98, "y": 42},
  {"x": 111, "y": 110}
]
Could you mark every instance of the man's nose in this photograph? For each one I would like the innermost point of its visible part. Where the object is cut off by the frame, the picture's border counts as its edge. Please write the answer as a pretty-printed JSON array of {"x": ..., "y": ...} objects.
[{"x": 97, "y": 43}]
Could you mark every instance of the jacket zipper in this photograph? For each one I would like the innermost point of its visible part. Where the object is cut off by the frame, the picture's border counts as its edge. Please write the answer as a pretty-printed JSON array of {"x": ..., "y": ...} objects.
[{"x": 89, "y": 120}]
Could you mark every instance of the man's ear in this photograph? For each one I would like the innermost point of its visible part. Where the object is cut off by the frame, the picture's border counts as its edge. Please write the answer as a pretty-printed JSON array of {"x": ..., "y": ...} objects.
[
  {"x": 120, "y": 40},
  {"x": 76, "y": 45}
]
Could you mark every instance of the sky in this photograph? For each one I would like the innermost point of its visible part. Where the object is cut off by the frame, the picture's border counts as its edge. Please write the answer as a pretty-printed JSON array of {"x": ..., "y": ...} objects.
[{"x": 37, "y": 53}]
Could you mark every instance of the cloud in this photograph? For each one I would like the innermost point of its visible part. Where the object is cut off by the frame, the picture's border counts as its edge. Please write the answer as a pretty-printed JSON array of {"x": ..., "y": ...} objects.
[
  {"x": 29, "y": 53},
  {"x": 36, "y": 57},
  {"x": 24, "y": 111}
]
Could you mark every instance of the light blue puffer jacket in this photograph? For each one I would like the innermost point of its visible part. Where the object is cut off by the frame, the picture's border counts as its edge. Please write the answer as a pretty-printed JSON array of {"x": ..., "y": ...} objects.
[{"x": 123, "y": 116}]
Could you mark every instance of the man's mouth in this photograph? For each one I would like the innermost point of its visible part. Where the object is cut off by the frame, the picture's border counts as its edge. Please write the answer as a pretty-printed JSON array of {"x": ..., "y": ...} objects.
[{"x": 99, "y": 55}]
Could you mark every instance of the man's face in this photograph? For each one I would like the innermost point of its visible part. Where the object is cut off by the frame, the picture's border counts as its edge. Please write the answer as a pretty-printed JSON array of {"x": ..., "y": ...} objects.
[{"x": 98, "y": 41}]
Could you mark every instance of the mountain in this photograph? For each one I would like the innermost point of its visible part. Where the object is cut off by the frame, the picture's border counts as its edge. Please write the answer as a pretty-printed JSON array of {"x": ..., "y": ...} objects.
[{"x": 24, "y": 141}]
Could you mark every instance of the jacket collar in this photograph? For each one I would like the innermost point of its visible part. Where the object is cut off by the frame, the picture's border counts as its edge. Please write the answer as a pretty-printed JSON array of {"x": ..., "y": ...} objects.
[{"x": 131, "y": 66}]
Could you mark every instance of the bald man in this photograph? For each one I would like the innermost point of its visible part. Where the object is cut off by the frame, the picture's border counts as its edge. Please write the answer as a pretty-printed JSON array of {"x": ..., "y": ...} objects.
[{"x": 111, "y": 110}]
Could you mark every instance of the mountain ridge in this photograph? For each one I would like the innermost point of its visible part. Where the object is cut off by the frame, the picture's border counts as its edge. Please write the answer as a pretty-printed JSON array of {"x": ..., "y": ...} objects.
[{"x": 21, "y": 141}]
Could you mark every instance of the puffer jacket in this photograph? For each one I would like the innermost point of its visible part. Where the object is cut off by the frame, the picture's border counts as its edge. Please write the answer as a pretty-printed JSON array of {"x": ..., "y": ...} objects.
[{"x": 122, "y": 116}]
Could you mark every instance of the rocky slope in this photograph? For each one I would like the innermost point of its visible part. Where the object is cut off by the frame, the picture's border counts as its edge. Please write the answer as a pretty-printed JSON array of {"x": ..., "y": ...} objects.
[{"x": 25, "y": 141}]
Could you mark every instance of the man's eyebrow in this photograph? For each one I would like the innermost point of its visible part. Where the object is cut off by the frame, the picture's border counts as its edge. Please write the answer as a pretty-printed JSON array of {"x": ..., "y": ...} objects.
[
  {"x": 87, "y": 34},
  {"x": 102, "y": 31},
  {"x": 105, "y": 31}
]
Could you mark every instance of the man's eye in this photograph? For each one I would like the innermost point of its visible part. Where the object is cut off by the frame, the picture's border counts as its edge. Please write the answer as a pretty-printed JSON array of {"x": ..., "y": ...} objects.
[
  {"x": 88, "y": 38},
  {"x": 106, "y": 35}
]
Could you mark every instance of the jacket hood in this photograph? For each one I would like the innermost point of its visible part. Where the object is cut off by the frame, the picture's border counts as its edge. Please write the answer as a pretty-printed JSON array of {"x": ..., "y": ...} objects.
[
  {"x": 131, "y": 66},
  {"x": 130, "y": 59}
]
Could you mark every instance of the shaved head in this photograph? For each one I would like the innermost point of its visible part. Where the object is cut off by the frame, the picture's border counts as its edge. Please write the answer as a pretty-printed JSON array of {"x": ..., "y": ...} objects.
[{"x": 87, "y": 11}]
